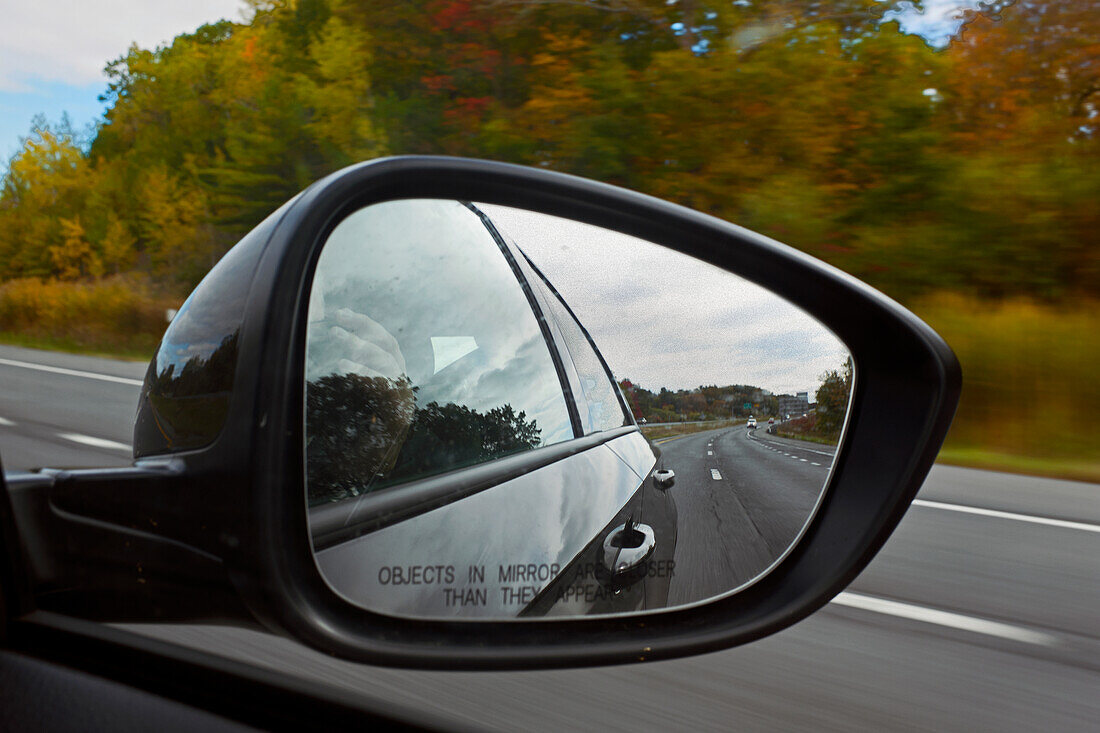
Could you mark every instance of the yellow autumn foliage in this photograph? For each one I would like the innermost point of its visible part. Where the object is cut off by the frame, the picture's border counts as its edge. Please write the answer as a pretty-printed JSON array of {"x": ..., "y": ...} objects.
[{"x": 119, "y": 312}]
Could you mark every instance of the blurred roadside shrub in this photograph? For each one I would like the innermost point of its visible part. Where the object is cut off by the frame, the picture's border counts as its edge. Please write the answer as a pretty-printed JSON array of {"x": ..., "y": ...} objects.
[
  {"x": 1029, "y": 379},
  {"x": 120, "y": 313}
]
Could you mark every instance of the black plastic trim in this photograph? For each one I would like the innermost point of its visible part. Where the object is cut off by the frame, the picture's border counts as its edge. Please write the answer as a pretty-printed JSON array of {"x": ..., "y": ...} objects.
[
  {"x": 242, "y": 499},
  {"x": 544, "y": 325},
  {"x": 234, "y": 690},
  {"x": 902, "y": 405},
  {"x": 628, "y": 415}
]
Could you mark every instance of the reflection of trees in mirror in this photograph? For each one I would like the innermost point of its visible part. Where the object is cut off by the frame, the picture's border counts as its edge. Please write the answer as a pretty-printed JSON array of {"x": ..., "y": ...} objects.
[
  {"x": 190, "y": 405},
  {"x": 366, "y": 433},
  {"x": 199, "y": 375},
  {"x": 451, "y": 436},
  {"x": 832, "y": 400},
  {"x": 354, "y": 427},
  {"x": 701, "y": 403},
  {"x": 820, "y": 421},
  {"x": 824, "y": 423}
]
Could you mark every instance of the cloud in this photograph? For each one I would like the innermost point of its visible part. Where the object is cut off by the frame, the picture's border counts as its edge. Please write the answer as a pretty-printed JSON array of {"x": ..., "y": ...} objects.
[
  {"x": 664, "y": 319},
  {"x": 937, "y": 24},
  {"x": 70, "y": 41}
]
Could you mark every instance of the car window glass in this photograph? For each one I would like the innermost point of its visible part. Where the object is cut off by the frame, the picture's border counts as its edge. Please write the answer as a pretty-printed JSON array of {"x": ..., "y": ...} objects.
[
  {"x": 604, "y": 408},
  {"x": 423, "y": 353}
]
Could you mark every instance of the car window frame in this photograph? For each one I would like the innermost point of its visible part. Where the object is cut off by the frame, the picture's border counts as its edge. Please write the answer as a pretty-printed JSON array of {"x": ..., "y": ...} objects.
[
  {"x": 628, "y": 415},
  {"x": 339, "y": 521}
]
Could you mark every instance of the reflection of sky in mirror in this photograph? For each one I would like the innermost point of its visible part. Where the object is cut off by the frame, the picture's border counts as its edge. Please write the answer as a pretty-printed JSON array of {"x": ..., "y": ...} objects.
[
  {"x": 399, "y": 284},
  {"x": 664, "y": 319}
]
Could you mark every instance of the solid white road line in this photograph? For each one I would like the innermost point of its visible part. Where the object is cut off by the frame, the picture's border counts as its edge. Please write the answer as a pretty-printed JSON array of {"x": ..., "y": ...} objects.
[
  {"x": 70, "y": 372},
  {"x": 95, "y": 442},
  {"x": 714, "y": 474},
  {"x": 6, "y": 423},
  {"x": 944, "y": 618},
  {"x": 1008, "y": 515}
]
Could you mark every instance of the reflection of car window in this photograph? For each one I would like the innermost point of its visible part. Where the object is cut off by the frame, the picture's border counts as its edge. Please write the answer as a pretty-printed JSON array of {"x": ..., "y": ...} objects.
[
  {"x": 423, "y": 354},
  {"x": 605, "y": 411}
]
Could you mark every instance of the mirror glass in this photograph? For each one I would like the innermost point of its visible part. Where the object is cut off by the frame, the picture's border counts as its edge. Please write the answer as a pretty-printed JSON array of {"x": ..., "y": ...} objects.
[{"x": 514, "y": 415}]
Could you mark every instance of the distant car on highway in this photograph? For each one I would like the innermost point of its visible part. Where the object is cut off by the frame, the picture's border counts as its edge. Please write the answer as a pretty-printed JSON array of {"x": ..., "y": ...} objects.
[{"x": 751, "y": 423}]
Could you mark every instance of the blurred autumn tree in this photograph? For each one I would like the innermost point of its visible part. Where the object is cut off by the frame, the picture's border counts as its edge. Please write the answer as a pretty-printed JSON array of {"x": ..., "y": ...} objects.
[
  {"x": 973, "y": 168},
  {"x": 971, "y": 171}
]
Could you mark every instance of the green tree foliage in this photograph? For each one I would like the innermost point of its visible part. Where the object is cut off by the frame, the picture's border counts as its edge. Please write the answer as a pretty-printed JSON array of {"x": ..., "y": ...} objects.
[
  {"x": 702, "y": 403},
  {"x": 832, "y": 400}
]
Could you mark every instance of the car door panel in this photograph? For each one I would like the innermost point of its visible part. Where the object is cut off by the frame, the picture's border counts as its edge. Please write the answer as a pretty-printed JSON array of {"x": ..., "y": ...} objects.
[{"x": 490, "y": 554}]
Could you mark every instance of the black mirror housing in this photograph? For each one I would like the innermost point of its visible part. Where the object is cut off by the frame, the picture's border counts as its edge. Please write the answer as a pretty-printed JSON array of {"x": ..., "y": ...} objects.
[
  {"x": 239, "y": 499},
  {"x": 902, "y": 406}
]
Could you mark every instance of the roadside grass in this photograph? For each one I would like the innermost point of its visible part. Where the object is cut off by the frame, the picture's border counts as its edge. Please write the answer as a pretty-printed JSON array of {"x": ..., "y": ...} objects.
[
  {"x": 1046, "y": 467},
  {"x": 137, "y": 350},
  {"x": 121, "y": 316},
  {"x": 807, "y": 428},
  {"x": 806, "y": 437},
  {"x": 668, "y": 431}
]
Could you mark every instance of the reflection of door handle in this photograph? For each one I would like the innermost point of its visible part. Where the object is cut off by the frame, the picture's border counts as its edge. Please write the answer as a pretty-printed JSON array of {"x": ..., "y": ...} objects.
[
  {"x": 665, "y": 477},
  {"x": 627, "y": 546}
]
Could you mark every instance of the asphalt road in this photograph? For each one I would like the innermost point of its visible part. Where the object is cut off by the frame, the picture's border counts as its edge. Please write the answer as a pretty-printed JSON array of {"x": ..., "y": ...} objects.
[
  {"x": 66, "y": 411},
  {"x": 981, "y": 613},
  {"x": 742, "y": 498}
]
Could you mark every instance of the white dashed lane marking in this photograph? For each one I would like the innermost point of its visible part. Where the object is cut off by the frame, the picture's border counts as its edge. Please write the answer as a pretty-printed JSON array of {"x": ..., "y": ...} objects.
[
  {"x": 944, "y": 618},
  {"x": 71, "y": 372},
  {"x": 714, "y": 474},
  {"x": 5, "y": 422},
  {"x": 95, "y": 442},
  {"x": 1047, "y": 521}
]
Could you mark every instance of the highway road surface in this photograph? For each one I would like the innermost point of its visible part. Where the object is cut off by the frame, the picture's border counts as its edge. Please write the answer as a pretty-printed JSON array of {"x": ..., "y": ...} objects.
[
  {"x": 742, "y": 497},
  {"x": 981, "y": 613}
]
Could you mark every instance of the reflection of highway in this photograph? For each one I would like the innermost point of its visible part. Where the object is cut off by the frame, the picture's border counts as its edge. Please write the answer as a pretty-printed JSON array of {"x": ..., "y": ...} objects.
[{"x": 741, "y": 499}]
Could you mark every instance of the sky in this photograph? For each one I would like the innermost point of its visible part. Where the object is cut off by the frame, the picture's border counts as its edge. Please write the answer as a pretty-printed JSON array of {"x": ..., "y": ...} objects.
[
  {"x": 664, "y": 319},
  {"x": 52, "y": 52}
]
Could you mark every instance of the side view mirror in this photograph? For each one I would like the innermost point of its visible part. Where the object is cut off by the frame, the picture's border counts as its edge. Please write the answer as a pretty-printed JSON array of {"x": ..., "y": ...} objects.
[{"x": 437, "y": 412}]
